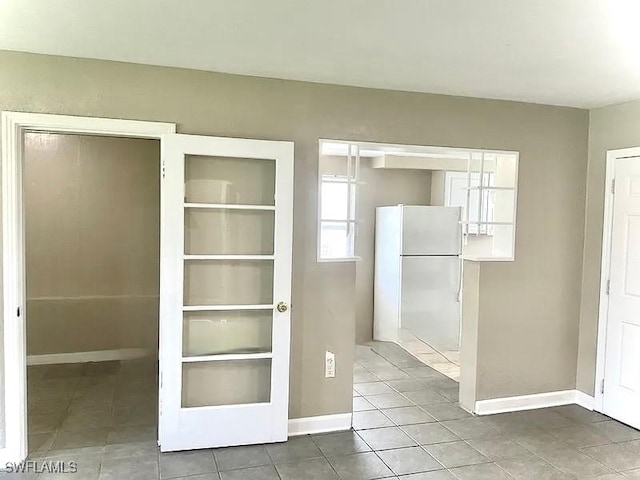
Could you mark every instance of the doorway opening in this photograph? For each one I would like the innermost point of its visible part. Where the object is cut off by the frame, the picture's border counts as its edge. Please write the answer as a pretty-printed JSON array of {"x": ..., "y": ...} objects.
[
  {"x": 92, "y": 230},
  {"x": 409, "y": 216},
  {"x": 193, "y": 412},
  {"x": 73, "y": 283}
]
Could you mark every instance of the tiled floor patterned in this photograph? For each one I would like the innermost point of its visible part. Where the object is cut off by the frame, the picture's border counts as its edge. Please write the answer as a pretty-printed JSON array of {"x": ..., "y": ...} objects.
[
  {"x": 407, "y": 426},
  {"x": 447, "y": 362}
]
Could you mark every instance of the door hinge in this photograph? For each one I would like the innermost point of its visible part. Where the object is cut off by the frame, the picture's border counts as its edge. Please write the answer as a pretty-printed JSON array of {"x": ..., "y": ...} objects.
[
  {"x": 608, "y": 286},
  {"x": 613, "y": 186},
  {"x": 18, "y": 312},
  {"x": 164, "y": 169},
  {"x": 602, "y": 386}
]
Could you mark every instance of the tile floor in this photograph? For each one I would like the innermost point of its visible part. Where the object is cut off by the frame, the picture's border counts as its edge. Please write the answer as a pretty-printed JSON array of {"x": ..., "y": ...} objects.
[
  {"x": 407, "y": 426},
  {"x": 406, "y": 413},
  {"x": 447, "y": 362}
]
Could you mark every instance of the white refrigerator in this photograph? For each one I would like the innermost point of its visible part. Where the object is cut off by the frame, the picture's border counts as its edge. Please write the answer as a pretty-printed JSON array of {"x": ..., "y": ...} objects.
[{"x": 418, "y": 274}]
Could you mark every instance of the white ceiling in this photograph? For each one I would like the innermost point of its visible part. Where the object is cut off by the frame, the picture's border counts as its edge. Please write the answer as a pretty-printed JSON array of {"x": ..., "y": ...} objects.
[{"x": 581, "y": 53}]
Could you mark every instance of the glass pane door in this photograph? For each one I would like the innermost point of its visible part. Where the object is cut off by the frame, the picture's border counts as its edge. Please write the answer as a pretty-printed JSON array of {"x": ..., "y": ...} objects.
[
  {"x": 228, "y": 264},
  {"x": 234, "y": 249}
]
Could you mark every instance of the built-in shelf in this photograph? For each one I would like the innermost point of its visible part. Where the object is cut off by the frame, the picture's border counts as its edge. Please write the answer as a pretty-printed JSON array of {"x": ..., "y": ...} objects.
[
  {"x": 229, "y": 206},
  {"x": 490, "y": 191}
]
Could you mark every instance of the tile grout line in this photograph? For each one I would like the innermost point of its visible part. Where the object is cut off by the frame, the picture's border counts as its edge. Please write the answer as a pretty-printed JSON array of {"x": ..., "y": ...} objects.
[
  {"x": 417, "y": 443},
  {"x": 498, "y": 431}
]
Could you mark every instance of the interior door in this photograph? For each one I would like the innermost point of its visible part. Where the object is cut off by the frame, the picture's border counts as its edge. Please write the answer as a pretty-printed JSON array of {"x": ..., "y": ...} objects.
[
  {"x": 622, "y": 359},
  {"x": 225, "y": 291}
]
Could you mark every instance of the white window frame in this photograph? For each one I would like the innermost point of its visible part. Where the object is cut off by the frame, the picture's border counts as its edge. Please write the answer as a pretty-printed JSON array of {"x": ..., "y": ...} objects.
[{"x": 351, "y": 179}]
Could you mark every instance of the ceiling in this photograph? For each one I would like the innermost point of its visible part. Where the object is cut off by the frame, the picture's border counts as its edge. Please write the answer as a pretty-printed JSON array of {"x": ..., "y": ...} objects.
[{"x": 581, "y": 53}]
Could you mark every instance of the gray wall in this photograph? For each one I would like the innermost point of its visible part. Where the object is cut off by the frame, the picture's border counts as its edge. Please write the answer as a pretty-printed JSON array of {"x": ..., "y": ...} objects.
[
  {"x": 610, "y": 128},
  {"x": 92, "y": 252},
  {"x": 380, "y": 187},
  {"x": 528, "y": 318}
]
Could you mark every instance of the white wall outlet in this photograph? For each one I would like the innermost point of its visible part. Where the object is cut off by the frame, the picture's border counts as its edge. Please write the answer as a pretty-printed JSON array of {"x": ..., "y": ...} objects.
[{"x": 329, "y": 365}]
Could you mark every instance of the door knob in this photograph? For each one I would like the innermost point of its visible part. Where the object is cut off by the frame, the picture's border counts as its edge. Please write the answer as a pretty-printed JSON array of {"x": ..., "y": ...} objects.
[{"x": 282, "y": 307}]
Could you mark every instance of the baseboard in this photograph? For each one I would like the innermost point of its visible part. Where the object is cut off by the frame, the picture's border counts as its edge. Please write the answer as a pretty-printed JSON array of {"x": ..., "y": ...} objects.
[
  {"x": 584, "y": 400},
  {"x": 530, "y": 402},
  {"x": 82, "y": 357},
  {"x": 320, "y": 424}
]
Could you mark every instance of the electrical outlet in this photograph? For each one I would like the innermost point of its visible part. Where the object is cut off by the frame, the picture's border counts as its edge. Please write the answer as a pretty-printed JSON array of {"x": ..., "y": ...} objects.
[{"x": 329, "y": 365}]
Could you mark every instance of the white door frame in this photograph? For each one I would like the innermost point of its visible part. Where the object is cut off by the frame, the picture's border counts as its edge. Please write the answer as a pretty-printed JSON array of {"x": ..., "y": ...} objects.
[
  {"x": 14, "y": 125},
  {"x": 612, "y": 156}
]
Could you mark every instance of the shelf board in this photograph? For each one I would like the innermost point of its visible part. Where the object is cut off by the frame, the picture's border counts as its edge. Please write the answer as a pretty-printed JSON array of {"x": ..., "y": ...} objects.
[
  {"x": 511, "y": 189},
  {"x": 229, "y": 257},
  {"x": 478, "y": 258},
  {"x": 486, "y": 223},
  {"x": 229, "y": 206},
  {"x": 226, "y": 357}
]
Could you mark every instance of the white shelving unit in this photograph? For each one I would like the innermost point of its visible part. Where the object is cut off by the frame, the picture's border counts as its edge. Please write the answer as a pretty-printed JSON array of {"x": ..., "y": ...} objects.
[{"x": 494, "y": 222}]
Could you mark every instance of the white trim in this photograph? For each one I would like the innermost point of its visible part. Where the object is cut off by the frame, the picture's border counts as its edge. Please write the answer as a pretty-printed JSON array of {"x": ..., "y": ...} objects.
[
  {"x": 224, "y": 357},
  {"x": 529, "y": 402},
  {"x": 439, "y": 148},
  {"x": 230, "y": 206},
  {"x": 603, "y": 308},
  {"x": 229, "y": 257},
  {"x": 110, "y": 127},
  {"x": 584, "y": 400},
  {"x": 14, "y": 124},
  {"x": 224, "y": 308},
  {"x": 94, "y": 356},
  {"x": 91, "y": 297},
  {"x": 355, "y": 258},
  {"x": 320, "y": 424}
]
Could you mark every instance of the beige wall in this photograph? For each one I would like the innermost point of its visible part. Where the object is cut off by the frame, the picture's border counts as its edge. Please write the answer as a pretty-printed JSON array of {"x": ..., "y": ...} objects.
[
  {"x": 469, "y": 337},
  {"x": 92, "y": 250},
  {"x": 437, "y": 188},
  {"x": 380, "y": 187},
  {"x": 610, "y": 128},
  {"x": 528, "y": 319}
]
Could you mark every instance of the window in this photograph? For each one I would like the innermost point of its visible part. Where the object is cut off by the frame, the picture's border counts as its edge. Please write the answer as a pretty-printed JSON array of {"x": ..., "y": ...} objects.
[{"x": 338, "y": 200}]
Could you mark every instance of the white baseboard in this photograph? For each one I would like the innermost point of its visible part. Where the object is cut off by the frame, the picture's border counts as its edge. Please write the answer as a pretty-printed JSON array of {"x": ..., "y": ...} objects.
[
  {"x": 320, "y": 424},
  {"x": 82, "y": 357},
  {"x": 584, "y": 400},
  {"x": 530, "y": 402}
]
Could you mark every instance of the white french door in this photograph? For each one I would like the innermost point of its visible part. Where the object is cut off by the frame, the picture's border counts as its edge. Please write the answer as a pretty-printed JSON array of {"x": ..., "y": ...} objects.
[
  {"x": 621, "y": 393},
  {"x": 225, "y": 291}
]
